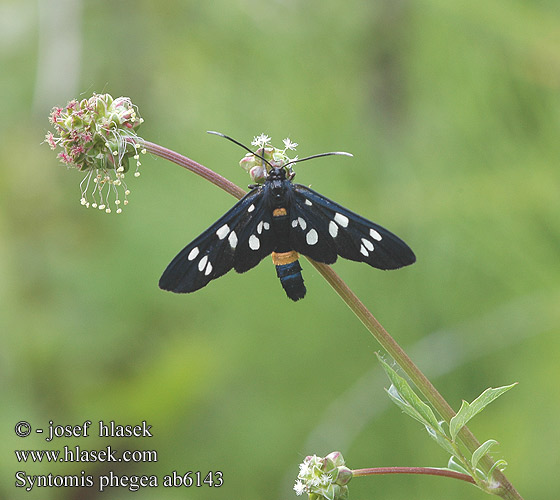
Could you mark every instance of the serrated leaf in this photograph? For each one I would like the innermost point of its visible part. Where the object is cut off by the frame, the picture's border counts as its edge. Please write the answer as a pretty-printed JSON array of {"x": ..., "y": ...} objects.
[
  {"x": 481, "y": 451},
  {"x": 469, "y": 410},
  {"x": 415, "y": 407}
]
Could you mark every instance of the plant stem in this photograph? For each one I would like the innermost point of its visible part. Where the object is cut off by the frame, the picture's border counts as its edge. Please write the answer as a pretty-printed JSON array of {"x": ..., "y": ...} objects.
[
  {"x": 195, "y": 167},
  {"x": 504, "y": 488},
  {"x": 413, "y": 470}
]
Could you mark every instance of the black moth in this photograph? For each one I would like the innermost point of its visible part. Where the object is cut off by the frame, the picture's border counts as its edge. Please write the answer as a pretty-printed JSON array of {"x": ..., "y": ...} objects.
[{"x": 281, "y": 218}]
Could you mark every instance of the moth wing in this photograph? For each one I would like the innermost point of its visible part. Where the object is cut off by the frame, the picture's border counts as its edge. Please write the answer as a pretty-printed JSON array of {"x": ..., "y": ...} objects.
[
  {"x": 228, "y": 243},
  {"x": 330, "y": 230}
]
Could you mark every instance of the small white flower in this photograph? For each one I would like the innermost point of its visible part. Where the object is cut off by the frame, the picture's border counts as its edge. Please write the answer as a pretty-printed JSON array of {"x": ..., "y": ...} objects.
[
  {"x": 304, "y": 468},
  {"x": 261, "y": 141},
  {"x": 324, "y": 480},
  {"x": 289, "y": 144},
  {"x": 317, "y": 481},
  {"x": 299, "y": 488}
]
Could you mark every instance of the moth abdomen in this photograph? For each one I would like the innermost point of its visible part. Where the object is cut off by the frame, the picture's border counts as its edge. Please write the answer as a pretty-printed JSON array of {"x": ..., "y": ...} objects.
[{"x": 288, "y": 270}]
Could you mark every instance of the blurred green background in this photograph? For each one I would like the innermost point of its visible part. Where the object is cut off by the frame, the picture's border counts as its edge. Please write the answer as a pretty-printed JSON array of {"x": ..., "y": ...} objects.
[{"x": 452, "y": 112}]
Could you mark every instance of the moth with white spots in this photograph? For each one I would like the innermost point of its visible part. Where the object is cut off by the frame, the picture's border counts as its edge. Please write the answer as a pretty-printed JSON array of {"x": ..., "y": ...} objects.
[{"x": 282, "y": 218}]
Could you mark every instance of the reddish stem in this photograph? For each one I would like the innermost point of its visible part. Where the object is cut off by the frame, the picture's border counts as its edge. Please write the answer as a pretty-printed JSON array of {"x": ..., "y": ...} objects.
[
  {"x": 195, "y": 167},
  {"x": 431, "y": 471}
]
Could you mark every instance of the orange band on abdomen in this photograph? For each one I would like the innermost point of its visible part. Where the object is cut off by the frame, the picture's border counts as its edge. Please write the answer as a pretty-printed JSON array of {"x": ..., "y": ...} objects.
[{"x": 281, "y": 259}]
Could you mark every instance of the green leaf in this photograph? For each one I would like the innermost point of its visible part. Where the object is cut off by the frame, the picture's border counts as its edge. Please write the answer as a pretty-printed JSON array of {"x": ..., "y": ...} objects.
[
  {"x": 397, "y": 398},
  {"x": 500, "y": 465},
  {"x": 441, "y": 439},
  {"x": 469, "y": 410},
  {"x": 403, "y": 396},
  {"x": 481, "y": 451},
  {"x": 393, "y": 393},
  {"x": 454, "y": 466}
]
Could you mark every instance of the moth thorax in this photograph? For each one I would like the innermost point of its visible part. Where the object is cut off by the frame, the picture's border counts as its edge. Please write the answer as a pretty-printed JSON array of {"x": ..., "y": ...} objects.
[{"x": 279, "y": 212}]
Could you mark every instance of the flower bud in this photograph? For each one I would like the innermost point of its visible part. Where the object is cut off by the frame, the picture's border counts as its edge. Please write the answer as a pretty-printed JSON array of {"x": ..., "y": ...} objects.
[
  {"x": 247, "y": 162},
  {"x": 259, "y": 163},
  {"x": 344, "y": 474},
  {"x": 258, "y": 173},
  {"x": 335, "y": 459}
]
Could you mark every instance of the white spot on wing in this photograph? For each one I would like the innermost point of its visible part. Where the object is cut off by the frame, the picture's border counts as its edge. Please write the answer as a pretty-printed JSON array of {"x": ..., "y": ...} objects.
[
  {"x": 266, "y": 226},
  {"x": 364, "y": 251},
  {"x": 202, "y": 263},
  {"x": 254, "y": 242},
  {"x": 251, "y": 208},
  {"x": 312, "y": 237},
  {"x": 222, "y": 232},
  {"x": 341, "y": 220},
  {"x": 232, "y": 239},
  {"x": 368, "y": 244},
  {"x": 302, "y": 223},
  {"x": 260, "y": 227},
  {"x": 193, "y": 253},
  {"x": 374, "y": 234},
  {"x": 294, "y": 223},
  {"x": 308, "y": 202},
  {"x": 208, "y": 269},
  {"x": 333, "y": 228}
]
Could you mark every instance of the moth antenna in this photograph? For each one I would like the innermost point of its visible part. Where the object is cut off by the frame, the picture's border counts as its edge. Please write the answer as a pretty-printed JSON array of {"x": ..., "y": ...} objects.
[
  {"x": 338, "y": 153},
  {"x": 240, "y": 144}
]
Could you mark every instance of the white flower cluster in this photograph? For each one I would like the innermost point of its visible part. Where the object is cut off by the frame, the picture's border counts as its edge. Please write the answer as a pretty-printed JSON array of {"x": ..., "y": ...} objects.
[
  {"x": 323, "y": 478},
  {"x": 311, "y": 477}
]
